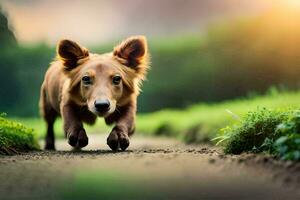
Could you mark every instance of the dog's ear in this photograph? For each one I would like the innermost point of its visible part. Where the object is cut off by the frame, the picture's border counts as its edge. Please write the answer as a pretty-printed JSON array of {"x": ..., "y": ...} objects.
[
  {"x": 70, "y": 53},
  {"x": 132, "y": 52}
]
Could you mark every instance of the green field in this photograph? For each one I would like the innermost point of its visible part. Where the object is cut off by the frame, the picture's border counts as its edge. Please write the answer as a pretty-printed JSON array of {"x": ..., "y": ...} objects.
[
  {"x": 197, "y": 123},
  {"x": 202, "y": 122}
]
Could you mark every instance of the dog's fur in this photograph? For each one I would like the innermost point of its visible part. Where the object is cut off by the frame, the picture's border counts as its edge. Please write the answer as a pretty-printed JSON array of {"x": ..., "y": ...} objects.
[{"x": 64, "y": 93}]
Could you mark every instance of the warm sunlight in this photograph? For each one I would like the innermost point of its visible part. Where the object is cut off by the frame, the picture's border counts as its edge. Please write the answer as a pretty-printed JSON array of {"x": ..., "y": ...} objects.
[
  {"x": 295, "y": 3},
  {"x": 37, "y": 21}
]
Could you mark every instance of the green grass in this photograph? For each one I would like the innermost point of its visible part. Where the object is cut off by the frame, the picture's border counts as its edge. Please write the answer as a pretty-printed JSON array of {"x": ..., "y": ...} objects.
[
  {"x": 263, "y": 123},
  {"x": 15, "y": 137},
  {"x": 202, "y": 122},
  {"x": 39, "y": 125},
  {"x": 197, "y": 123}
]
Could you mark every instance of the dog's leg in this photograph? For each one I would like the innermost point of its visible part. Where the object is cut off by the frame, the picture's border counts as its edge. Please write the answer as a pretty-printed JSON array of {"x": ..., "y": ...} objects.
[
  {"x": 73, "y": 127},
  {"x": 119, "y": 136},
  {"x": 50, "y": 138},
  {"x": 50, "y": 115}
]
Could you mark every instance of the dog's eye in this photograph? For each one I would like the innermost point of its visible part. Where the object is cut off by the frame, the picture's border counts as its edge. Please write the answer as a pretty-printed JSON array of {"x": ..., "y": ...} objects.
[
  {"x": 116, "y": 80},
  {"x": 86, "y": 80}
]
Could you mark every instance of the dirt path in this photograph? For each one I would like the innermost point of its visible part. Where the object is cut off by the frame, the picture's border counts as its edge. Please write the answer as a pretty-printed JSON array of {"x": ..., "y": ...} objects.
[{"x": 150, "y": 169}]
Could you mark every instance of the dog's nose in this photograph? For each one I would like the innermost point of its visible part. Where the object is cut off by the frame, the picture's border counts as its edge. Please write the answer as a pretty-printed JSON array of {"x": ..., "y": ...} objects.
[{"x": 102, "y": 105}]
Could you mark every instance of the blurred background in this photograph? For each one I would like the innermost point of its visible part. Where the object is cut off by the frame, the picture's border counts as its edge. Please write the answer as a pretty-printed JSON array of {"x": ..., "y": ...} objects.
[{"x": 202, "y": 50}]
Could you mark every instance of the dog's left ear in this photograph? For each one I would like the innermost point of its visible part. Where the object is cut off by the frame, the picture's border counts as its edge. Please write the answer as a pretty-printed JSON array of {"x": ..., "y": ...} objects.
[{"x": 132, "y": 52}]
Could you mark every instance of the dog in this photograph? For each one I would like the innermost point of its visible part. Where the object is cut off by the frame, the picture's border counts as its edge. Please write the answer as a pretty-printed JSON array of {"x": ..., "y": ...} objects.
[{"x": 80, "y": 86}]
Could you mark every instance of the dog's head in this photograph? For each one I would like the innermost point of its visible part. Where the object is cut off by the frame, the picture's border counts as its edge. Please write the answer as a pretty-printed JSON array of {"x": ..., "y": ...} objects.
[{"x": 104, "y": 82}]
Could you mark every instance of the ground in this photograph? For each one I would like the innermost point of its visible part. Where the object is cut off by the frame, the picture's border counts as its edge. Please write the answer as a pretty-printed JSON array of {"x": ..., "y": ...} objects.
[{"x": 152, "y": 168}]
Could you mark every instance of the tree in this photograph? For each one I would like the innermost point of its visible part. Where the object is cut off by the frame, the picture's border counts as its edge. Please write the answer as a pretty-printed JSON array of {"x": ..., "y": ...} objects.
[{"x": 7, "y": 38}]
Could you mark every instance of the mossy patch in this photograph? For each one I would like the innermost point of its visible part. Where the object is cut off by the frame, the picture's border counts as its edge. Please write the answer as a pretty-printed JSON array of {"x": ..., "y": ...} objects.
[{"x": 15, "y": 137}]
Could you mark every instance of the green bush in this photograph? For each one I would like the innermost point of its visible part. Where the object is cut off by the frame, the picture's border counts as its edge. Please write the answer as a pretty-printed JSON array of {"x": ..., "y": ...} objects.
[
  {"x": 16, "y": 137},
  {"x": 265, "y": 130},
  {"x": 250, "y": 134},
  {"x": 288, "y": 145}
]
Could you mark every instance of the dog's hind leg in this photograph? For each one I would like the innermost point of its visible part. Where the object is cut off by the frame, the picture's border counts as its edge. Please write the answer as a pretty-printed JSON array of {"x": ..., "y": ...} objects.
[
  {"x": 49, "y": 115},
  {"x": 50, "y": 137}
]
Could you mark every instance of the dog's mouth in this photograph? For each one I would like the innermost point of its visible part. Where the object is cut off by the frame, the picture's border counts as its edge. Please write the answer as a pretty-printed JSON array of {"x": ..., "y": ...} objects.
[{"x": 102, "y": 113}]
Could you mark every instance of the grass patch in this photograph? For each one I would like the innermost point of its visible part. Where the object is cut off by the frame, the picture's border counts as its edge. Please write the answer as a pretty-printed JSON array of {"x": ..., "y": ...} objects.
[
  {"x": 265, "y": 130},
  {"x": 15, "y": 137}
]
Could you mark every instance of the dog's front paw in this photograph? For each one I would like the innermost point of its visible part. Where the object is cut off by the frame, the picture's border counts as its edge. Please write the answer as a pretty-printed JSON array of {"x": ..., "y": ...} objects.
[
  {"x": 78, "y": 138},
  {"x": 118, "y": 139}
]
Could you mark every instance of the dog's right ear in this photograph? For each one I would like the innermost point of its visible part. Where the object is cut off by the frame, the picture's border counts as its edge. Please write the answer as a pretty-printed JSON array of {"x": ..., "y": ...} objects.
[{"x": 70, "y": 53}]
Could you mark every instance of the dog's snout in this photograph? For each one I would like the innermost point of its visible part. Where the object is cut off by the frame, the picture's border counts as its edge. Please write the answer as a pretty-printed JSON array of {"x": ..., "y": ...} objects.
[{"x": 102, "y": 105}]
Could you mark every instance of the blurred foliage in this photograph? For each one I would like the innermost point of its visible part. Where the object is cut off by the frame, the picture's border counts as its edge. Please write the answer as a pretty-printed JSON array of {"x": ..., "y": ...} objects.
[
  {"x": 22, "y": 72},
  {"x": 110, "y": 185},
  {"x": 202, "y": 122},
  {"x": 16, "y": 137},
  {"x": 232, "y": 59}
]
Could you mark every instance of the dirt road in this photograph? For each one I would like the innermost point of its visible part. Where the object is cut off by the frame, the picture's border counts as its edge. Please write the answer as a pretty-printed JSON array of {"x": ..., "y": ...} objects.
[{"x": 152, "y": 168}]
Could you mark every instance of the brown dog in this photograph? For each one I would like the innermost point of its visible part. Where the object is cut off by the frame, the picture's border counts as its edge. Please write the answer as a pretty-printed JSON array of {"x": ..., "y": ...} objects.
[{"x": 80, "y": 86}]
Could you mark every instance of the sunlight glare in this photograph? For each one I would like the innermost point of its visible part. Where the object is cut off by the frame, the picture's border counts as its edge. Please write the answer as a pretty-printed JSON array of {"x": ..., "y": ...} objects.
[{"x": 293, "y": 3}]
